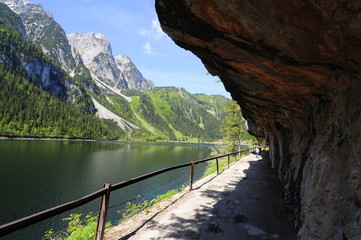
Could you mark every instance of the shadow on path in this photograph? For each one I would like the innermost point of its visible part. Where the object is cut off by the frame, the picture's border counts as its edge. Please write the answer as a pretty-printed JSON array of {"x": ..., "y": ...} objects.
[{"x": 242, "y": 203}]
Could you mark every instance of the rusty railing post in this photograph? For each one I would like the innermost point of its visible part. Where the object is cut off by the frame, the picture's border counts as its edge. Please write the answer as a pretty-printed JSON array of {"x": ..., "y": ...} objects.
[
  {"x": 191, "y": 176},
  {"x": 228, "y": 161},
  {"x": 103, "y": 213},
  {"x": 217, "y": 166}
]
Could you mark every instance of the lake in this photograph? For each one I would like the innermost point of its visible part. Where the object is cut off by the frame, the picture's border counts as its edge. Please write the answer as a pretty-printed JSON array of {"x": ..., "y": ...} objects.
[{"x": 37, "y": 175}]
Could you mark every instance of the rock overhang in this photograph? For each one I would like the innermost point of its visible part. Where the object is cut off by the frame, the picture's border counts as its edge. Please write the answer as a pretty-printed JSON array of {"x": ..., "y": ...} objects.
[{"x": 294, "y": 69}]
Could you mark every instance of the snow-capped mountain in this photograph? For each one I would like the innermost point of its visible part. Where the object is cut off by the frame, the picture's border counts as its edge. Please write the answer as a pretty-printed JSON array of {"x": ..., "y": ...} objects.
[{"x": 132, "y": 75}]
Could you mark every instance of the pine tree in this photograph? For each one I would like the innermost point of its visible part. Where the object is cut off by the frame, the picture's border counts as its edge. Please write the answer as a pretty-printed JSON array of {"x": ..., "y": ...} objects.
[{"x": 233, "y": 126}]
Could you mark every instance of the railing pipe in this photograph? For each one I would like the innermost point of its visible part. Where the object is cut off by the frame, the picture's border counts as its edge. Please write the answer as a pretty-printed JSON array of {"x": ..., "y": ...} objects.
[
  {"x": 104, "y": 193},
  {"x": 191, "y": 174},
  {"x": 217, "y": 163},
  {"x": 146, "y": 176},
  {"x": 35, "y": 218},
  {"x": 103, "y": 213}
]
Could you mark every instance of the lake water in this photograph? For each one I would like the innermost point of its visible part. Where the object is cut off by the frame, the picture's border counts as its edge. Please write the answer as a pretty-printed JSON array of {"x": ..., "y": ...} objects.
[{"x": 37, "y": 175}]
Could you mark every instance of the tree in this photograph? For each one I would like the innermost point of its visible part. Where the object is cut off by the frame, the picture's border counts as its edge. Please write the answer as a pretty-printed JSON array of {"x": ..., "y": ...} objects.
[{"x": 234, "y": 126}]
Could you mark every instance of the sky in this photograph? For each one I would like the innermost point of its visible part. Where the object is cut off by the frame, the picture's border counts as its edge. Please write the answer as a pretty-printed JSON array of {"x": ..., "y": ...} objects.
[{"x": 133, "y": 29}]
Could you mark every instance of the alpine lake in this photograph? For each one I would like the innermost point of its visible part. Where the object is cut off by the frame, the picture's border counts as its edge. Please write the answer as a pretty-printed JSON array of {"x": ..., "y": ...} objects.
[{"x": 39, "y": 174}]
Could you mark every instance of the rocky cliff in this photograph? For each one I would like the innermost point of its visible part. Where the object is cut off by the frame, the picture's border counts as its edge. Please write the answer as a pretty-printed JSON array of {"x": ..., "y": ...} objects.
[
  {"x": 294, "y": 67},
  {"x": 21, "y": 57},
  {"x": 118, "y": 72},
  {"x": 132, "y": 75},
  {"x": 96, "y": 52},
  {"x": 42, "y": 30}
]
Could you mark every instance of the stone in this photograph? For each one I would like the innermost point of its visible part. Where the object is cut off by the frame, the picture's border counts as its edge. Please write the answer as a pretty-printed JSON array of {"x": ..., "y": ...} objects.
[{"x": 294, "y": 68}]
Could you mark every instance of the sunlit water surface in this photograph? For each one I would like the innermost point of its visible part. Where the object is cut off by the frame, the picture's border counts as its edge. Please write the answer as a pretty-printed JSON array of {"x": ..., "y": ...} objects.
[{"x": 37, "y": 175}]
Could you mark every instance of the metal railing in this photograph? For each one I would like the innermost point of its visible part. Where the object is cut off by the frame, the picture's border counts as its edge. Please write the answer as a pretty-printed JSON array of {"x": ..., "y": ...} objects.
[{"x": 104, "y": 193}]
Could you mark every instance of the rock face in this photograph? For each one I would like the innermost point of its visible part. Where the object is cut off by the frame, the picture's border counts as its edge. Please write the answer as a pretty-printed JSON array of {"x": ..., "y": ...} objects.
[
  {"x": 42, "y": 30},
  {"x": 132, "y": 75},
  {"x": 294, "y": 67},
  {"x": 97, "y": 55},
  {"x": 33, "y": 66}
]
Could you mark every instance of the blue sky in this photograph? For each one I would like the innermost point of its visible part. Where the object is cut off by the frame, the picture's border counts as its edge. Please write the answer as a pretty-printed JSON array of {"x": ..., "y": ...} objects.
[{"x": 133, "y": 29}]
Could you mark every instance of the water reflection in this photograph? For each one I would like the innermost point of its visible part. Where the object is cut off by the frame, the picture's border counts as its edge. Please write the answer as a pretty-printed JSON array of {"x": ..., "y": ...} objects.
[{"x": 36, "y": 175}]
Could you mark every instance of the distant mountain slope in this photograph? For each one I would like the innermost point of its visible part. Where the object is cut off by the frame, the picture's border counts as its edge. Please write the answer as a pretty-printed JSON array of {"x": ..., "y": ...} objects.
[
  {"x": 42, "y": 30},
  {"x": 25, "y": 59},
  {"x": 96, "y": 52},
  {"x": 132, "y": 75},
  {"x": 55, "y": 85},
  {"x": 185, "y": 113},
  {"x": 117, "y": 72},
  {"x": 11, "y": 21},
  {"x": 215, "y": 104},
  {"x": 50, "y": 36},
  {"x": 37, "y": 99}
]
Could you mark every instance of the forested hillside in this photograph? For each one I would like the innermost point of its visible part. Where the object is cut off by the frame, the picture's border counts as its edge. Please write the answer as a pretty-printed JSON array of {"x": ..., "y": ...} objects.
[
  {"x": 36, "y": 105},
  {"x": 26, "y": 110},
  {"x": 47, "y": 95}
]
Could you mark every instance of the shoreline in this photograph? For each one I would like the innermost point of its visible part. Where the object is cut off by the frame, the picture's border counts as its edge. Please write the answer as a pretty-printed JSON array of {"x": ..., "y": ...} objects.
[
  {"x": 45, "y": 139},
  {"x": 94, "y": 140}
]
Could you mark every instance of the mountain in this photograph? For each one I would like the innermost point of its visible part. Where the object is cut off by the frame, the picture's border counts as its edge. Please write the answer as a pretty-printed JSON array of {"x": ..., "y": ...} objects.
[
  {"x": 10, "y": 20},
  {"x": 116, "y": 72},
  {"x": 38, "y": 98},
  {"x": 214, "y": 104},
  {"x": 26, "y": 59},
  {"x": 43, "y": 31},
  {"x": 84, "y": 91},
  {"x": 50, "y": 36},
  {"x": 173, "y": 113},
  {"x": 96, "y": 52},
  {"x": 132, "y": 75}
]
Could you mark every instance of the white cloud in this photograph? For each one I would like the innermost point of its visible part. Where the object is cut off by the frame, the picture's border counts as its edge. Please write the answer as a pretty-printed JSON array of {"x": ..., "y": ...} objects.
[
  {"x": 143, "y": 32},
  {"x": 148, "y": 50},
  {"x": 155, "y": 32},
  {"x": 157, "y": 29}
]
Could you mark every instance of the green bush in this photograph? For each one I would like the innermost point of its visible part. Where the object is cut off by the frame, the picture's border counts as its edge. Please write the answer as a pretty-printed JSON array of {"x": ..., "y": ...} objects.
[{"x": 78, "y": 229}]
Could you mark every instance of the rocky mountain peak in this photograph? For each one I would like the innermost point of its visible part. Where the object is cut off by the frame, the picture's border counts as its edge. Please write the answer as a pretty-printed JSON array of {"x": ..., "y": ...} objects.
[
  {"x": 133, "y": 76},
  {"x": 96, "y": 52},
  {"x": 90, "y": 45},
  {"x": 22, "y": 6},
  {"x": 42, "y": 30}
]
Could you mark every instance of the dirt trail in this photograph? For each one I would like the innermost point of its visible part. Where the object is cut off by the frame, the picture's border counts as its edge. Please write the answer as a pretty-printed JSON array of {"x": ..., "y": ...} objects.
[{"x": 240, "y": 203}]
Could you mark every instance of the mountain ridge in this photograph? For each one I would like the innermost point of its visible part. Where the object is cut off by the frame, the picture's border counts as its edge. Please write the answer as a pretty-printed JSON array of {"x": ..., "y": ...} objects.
[{"x": 112, "y": 87}]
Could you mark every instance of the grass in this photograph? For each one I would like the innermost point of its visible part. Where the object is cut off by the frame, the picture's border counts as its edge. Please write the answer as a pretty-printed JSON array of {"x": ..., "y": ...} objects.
[
  {"x": 134, "y": 208},
  {"x": 78, "y": 228},
  {"x": 222, "y": 163},
  {"x": 85, "y": 229}
]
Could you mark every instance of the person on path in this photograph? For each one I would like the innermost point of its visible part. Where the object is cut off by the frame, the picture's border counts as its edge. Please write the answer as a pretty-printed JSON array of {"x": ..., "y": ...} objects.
[{"x": 257, "y": 152}]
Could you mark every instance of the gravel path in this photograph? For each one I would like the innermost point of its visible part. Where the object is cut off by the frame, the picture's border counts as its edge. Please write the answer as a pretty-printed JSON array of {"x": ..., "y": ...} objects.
[{"x": 240, "y": 203}]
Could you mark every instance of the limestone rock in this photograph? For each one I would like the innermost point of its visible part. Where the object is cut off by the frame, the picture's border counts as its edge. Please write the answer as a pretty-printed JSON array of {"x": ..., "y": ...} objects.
[
  {"x": 96, "y": 52},
  {"x": 294, "y": 67},
  {"x": 132, "y": 75},
  {"x": 44, "y": 31}
]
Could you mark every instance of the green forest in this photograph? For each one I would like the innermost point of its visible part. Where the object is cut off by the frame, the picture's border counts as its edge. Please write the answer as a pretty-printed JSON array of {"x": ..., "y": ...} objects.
[
  {"x": 63, "y": 108},
  {"x": 28, "y": 111}
]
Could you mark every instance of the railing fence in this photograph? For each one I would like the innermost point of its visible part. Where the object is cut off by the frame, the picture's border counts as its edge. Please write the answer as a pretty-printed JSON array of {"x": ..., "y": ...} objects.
[{"x": 104, "y": 193}]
